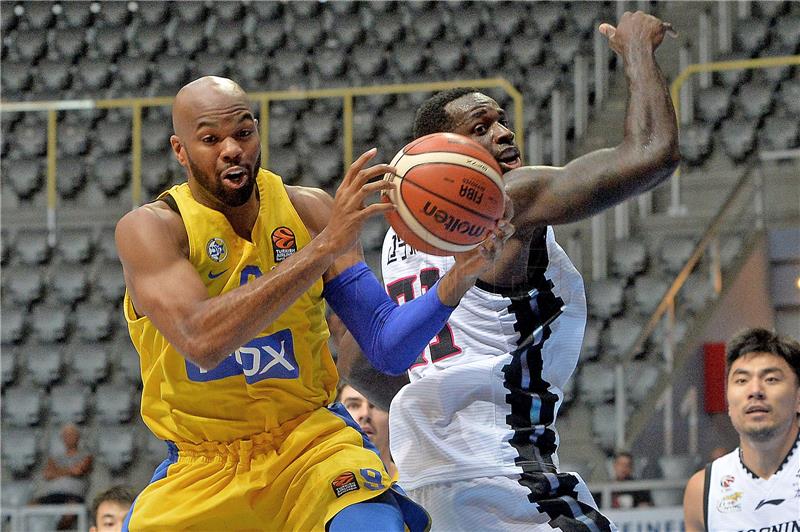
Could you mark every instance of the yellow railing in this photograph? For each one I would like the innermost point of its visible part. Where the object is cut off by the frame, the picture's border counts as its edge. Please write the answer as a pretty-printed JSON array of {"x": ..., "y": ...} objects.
[{"x": 263, "y": 98}]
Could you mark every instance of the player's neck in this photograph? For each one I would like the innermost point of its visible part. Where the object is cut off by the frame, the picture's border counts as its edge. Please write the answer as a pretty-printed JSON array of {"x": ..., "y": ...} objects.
[{"x": 764, "y": 458}]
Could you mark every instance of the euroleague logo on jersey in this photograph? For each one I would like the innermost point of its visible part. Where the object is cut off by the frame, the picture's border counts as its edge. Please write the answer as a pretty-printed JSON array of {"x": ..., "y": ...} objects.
[
  {"x": 727, "y": 480},
  {"x": 344, "y": 483},
  {"x": 284, "y": 243}
]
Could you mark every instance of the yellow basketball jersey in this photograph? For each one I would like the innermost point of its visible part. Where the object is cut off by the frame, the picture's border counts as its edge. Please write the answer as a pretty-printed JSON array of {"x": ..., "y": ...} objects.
[{"x": 269, "y": 384}]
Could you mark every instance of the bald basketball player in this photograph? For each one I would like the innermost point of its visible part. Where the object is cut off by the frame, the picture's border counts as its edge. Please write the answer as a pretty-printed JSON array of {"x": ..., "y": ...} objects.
[{"x": 227, "y": 276}]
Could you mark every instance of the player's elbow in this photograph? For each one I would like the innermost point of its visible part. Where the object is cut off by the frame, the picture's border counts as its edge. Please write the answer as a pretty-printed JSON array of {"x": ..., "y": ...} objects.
[{"x": 202, "y": 353}]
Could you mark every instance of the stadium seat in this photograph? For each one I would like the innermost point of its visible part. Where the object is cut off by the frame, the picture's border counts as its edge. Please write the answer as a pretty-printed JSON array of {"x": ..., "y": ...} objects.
[
  {"x": 768, "y": 10},
  {"x": 447, "y": 56},
  {"x": 629, "y": 258},
  {"x": 72, "y": 285},
  {"x": 26, "y": 176},
  {"x": 269, "y": 35},
  {"x": 75, "y": 245},
  {"x": 285, "y": 162},
  {"x": 127, "y": 365},
  {"x": 73, "y": 139},
  {"x": 429, "y": 28},
  {"x": 290, "y": 63},
  {"x": 364, "y": 126},
  {"x": 210, "y": 63},
  {"x": 190, "y": 38},
  {"x": 17, "y": 493},
  {"x": 23, "y": 285},
  {"x": 71, "y": 176},
  {"x": 603, "y": 425},
  {"x": 266, "y": 11},
  {"x": 738, "y": 138},
  {"x": 94, "y": 322},
  {"x": 617, "y": 340},
  {"x": 541, "y": 81},
  {"x": 564, "y": 46},
  {"x": 113, "y": 14},
  {"x": 750, "y": 34},
  {"x": 789, "y": 96},
  {"x": 787, "y": 31},
  {"x": 69, "y": 403},
  {"x": 696, "y": 292},
  {"x": 49, "y": 323},
  {"x": 546, "y": 16},
  {"x": 32, "y": 247},
  {"x": 92, "y": 77},
  {"x": 696, "y": 142},
  {"x": 13, "y": 326},
  {"x": 76, "y": 14},
  {"x": 30, "y": 139},
  {"x": 679, "y": 331},
  {"x": 22, "y": 407},
  {"x": 105, "y": 245},
  {"x": 319, "y": 127},
  {"x": 485, "y": 52},
  {"x": 308, "y": 33},
  {"x": 713, "y": 104},
  {"x": 675, "y": 251},
  {"x": 647, "y": 293},
  {"x": 113, "y": 136},
  {"x": 525, "y": 50},
  {"x": 345, "y": 29},
  {"x": 640, "y": 379},
  {"x": 89, "y": 362},
  {"x": 171, "y": 71},
  {"x": 324, "y": 165},
  {"x": 153, "y": 12},
  {"x": 109, "y": 42},
  {"x": 754, "y": 99},
  {"x": 591, "y": 340},
  {"x": 134, "y": 73},
  {"x": 148, "y": 41},
  {"x": 111, "y": 174},
  {"x": 605, "y": 298},
  {"x": 155, "y": 173},
  {"x": 368, "y": 60},
  {"x": 678, "y": 467},
  {"x": 227, "y": 10},
  {"x": 117, "y": 452},
  {"x": 228, "y": 36},
  {"x": 53, "y": 74},
  {"x": 469, "y": 18},
  {"x": 70, "y": 44},
  {"x": 779, "y": 133},
  {"x": 17, "y": 76},
  {"x": 9, "y": 362},
  {"x": 20, "y": 452},
  {"x": 586, "y": 16},
  {"x": 8, "y": 20},
  {"x": 30, "y": 45},
  {"x": 596, "y": 382},
  {"x": 330, "y": 63},
  {"x": 7, "y": 239},
  {"x": 45, "y": 363},
  {"x": 114, "y": 403},
  {"x": 249, "y": 69},
  {"x": 109, "y": 282},
  {"x": 730, "y": 79}
]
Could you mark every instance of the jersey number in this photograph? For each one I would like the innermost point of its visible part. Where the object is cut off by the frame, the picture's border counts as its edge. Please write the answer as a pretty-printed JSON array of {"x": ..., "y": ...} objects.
[{"x": 442, "y": 345}]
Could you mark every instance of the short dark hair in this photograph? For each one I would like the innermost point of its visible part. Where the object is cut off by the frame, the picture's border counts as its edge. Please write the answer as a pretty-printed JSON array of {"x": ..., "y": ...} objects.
[
  {"x": 118, "y": 494},
  {"x": 431, "y": 116},
  {"x": 757, "y": 340}
]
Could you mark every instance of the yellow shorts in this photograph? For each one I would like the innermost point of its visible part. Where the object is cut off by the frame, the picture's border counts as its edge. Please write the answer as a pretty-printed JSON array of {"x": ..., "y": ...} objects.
[{"x": 270, "y": 482}]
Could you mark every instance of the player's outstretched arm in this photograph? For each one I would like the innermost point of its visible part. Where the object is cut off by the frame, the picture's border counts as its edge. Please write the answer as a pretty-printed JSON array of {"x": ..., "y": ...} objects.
[
  {"x": 164, "y": 285},
  {"x": 693, "y": 503},
  {"x": 647, "y": 155}
]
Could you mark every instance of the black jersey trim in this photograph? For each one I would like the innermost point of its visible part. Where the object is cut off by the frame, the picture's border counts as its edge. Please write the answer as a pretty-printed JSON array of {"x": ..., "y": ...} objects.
[
  {"x": 706, "y": 490},
  {"x": 783, "y": 463}
]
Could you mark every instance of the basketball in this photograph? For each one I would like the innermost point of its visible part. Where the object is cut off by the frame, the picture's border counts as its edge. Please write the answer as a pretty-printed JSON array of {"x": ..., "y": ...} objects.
[{"x": 448, "y": 194}]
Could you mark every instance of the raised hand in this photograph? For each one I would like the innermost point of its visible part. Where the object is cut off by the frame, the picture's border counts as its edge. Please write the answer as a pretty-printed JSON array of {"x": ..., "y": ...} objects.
[{"x": 636, "y": 28}]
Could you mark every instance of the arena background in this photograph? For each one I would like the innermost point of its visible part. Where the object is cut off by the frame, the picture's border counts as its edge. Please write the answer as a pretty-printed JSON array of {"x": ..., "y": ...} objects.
[{"x": 85, "y": 126}]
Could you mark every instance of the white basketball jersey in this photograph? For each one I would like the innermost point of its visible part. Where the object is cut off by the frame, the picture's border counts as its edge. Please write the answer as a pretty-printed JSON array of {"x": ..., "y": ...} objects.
[
  {"x": 483, "y": 401},
  {"x": 738, "y": 500}
]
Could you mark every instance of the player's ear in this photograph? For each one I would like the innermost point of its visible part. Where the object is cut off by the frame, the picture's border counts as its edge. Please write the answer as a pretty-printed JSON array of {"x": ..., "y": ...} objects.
[{"x": 177, "y": 149}]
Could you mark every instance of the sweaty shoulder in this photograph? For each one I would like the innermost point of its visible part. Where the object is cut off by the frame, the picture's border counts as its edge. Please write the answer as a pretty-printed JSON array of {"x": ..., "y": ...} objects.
[
  {"x": 314, "y": 206},
  {"x": 156, "y": 221}
]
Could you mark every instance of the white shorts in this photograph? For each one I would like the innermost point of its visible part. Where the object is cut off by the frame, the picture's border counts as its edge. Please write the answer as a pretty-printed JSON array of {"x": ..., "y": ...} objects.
[{"x": 505, "y": 504}]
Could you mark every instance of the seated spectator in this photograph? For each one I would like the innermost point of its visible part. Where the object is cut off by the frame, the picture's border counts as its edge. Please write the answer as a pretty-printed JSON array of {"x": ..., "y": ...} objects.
[
  {"x": 372, "y": 420},
  {"x": 66, "y": 475},
  {"x": 109, "y": 509},
  {"x": 623, "y": 470}
]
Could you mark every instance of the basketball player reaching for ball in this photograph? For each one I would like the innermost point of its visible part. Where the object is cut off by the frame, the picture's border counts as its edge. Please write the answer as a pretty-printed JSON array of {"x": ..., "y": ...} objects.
[
  {"x": 757, "y": 486},
  {"x": 473, "y": 434},
  {"x": 227, "y": 277}
]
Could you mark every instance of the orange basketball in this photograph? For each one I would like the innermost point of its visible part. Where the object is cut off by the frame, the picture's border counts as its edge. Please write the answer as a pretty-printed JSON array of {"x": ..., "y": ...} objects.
[{"x": 448, "y": 192}]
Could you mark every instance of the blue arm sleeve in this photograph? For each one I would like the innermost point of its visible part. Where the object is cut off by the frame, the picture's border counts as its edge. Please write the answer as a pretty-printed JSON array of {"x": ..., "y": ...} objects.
[{"x": 390, "y": 335}]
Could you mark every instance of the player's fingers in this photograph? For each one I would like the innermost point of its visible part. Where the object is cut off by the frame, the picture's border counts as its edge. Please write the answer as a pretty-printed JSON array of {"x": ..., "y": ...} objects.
[
  {"x": 376, "y": 186},
  {"x": 506, "y": 229},
  {"x": 376, "y": 208},
  {"x": 608, "y": 30},
  {"x": 358, "y": 164},
  {"x": 669, "y": 30},
  {"x": 372, "y": 172}
]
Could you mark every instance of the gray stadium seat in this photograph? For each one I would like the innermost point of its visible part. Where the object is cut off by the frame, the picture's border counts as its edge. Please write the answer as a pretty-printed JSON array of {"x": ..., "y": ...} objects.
[
  {"x": 586, "y": 16},
  {"x": 94, "y": 322},
  {"x": 647, "y": 293},
  {"x": 128, "y": 363},
  {"x": 779, "y": 133},
  {"x": 546, "y": 16},
  {"x": 22, "y": 407},
  {"x": 285, "y": 162},
  {"x": 49, "y": 323},
  {"x": 30, "y": 139},
  {"x": 114, "y": 403},
  {"x": 154, "y": 12},
  {"x": 364, "y": 126},
  {"x": 678, "y": 334},
  {"x": 738, "y": 138},
  {"x": 172, "y": 71},
  {"x": 754, "y": 99},
  {"x": 72, "y": 285},
  {"x": 105, "y": 245},
  {"x": 731, "y": 79},
  {"x": 17, "y": 493},
  {"x": 75, "y": 245},
  {"x": 93, "y": 76},
  {"x": 90, "y": 361},
  {"x": 134, "y": 73},
  {"x": 270, "y": 34},
  {"x": 696, "y": 142},
  {"x": 330, "y": 63},
  {"x": 191, "y": 12},
  {"x": 73, "y": 139},
  {"x": 429, "y": 28},
  {"x": 227, "y": 10},
  {"x": 8, "y": 20},
  {"x": 787, "y": 31},
  {"x": 113, "y": 136},
  {"x": 324, "y": 166},
  {"x": 111, "y": 173},
  {"x": 109, "y": 282},
  {"x": 7, "y": 239},
  {"x": 69, "y": 43},
  {"x": 117, "y": 452},
  {"x": 249, "y": 69},
  {"x": 26, "y": 176},
  {"x": 346, "y": 29},
  {"x": 469, "y": 20},
  {"x": 674, "y": 252},
  {"x": 750, "y": 35},
  {"x": 190, "y": 38},
  {"x": 39, "y": 15},
  {"x": 605, "y": 298},
  {"x": 525, "y": 50},
  {"x": 109, "y": 41},
  {"x": 713, "y": 104},
  {"x": 641, "y": 378},
  {"x": 696, "y": 292},
  {"x": 629, "y": 258},
  {"x": 9, "y": 362},
  {"x": 308, "y": 33},
  {"x": 16, "y": 76},
  {"x": 485, "y": 52},
  {"x": 155, "y": 172},
  {"x": 23, "y": 285},
  {"x": 71, "y": 176},
  {"x": 228, "y": 36},
  {"x": 45, "y": 363},
  {"x": 148, "y": 41},
  {"x": 69, "y": 403},
  {"x": 618, "y": 338},
  {"x": 76, "y": 14},
  {"x": 591, "y": 340},
  {"x": 14, "y": 325},
  {"x": 113, "y": 14},
  {"x": 32, "y": 246},
  {"x": 368, "y": 60},
  {"x": 210, "y": 63},
  {"x": 789, "y": 96},
  {"x": 397, "y": 123},
  {"x": 20, "y": 451},
  {"x": 30, "y": 45},
  {"x": 53, "y": 74},
  {"x": 596, "y": 382},
  {"x": 541, "y": 80},
  {"x": 565, "y": 45},
  {"x": 319, "y": 127}
]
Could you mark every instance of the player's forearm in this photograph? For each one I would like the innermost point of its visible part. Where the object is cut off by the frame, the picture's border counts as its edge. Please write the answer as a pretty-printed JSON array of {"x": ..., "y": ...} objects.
[{"x": 220, "y": 325}]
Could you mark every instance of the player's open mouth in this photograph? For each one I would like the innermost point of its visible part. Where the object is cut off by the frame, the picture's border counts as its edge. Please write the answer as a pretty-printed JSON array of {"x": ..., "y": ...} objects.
[
  {"x": 509, "y": 159},
  {"x": 235, "y": 176}
]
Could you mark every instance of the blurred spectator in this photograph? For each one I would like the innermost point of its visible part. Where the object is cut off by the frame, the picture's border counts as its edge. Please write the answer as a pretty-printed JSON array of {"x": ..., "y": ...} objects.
[
  {"x": 623, "y": 470},
  {"x": 109, "y": 509},
  {"x": 372, "y": 420},
  {"x": 66, "y": 475}
]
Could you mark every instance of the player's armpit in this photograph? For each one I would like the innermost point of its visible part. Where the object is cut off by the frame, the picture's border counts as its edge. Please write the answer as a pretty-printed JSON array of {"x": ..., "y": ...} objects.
[{"x": 693, "y": 503}]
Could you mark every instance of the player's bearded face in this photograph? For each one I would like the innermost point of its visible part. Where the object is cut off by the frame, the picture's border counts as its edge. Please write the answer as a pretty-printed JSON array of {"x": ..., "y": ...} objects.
[{"x": 214, "y": 183}]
